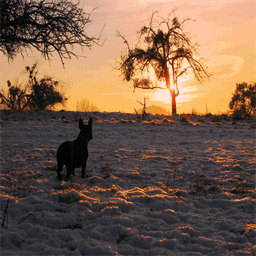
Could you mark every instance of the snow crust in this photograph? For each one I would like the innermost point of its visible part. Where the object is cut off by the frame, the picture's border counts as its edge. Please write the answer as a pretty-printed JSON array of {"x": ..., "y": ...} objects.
[{"x": 169, "y": 186}]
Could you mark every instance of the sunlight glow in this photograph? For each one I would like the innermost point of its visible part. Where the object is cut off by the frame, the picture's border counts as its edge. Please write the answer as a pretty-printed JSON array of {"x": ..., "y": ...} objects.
[{"x": 164, "y": 96}]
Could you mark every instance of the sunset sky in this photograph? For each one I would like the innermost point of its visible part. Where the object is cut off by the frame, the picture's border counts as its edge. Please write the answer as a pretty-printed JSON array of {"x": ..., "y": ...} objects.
[{"x": 226, "y": 31}]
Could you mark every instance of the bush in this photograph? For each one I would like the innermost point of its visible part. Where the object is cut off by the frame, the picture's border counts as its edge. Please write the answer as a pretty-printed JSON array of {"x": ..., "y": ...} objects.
[
  {"x": 16, "y": 98},
  {"x": 243, "y": 101},
  {"x": 85, "y": 106},
  {"x": 38, "y": 94}
]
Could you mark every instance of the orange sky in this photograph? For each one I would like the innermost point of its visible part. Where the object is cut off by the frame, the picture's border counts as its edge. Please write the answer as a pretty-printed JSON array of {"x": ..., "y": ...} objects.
[{"x": 225, "y": 30}]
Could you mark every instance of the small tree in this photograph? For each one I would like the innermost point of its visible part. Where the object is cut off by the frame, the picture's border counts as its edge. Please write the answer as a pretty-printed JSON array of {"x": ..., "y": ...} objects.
[
  {"x": 243, "y": 101},
  {"x": 165, "y": 50},
  {"x": 47, "y": 25},
  {"x": 143, "y": 111},
  {"x": 38, "y": 94},
  {"x": 16, "y": 98},
  {"x": 44, "y": 91}
]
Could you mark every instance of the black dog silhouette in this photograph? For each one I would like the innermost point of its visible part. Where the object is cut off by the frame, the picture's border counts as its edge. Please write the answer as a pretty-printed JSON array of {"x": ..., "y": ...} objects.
[{"x": 74, "y": 154}]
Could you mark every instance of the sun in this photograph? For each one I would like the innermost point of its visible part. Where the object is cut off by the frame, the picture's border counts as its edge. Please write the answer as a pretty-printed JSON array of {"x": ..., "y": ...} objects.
[{"x": 163, "y": 95}]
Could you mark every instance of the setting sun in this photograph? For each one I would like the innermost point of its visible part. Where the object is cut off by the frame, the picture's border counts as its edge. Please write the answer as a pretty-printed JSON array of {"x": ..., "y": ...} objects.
[
  {"x": 186, "y": 94},
  {"x": 163, "y": 95}
]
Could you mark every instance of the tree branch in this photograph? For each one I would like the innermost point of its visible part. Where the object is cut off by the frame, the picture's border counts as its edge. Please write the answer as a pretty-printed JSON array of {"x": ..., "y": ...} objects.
[{"x": 48, "y": 26}]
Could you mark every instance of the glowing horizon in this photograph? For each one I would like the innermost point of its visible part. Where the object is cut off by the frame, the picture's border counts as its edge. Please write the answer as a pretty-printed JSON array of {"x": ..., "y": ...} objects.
[{"x": 225, "y": 29}]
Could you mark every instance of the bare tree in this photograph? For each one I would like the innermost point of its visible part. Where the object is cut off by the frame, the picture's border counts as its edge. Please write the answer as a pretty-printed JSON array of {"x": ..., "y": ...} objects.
[
  {"x": 37, "y": 94},
  {"x": 143, "y": 111},
  {"x": 16, "y": 98},
  {"x": 47, "y": 25},
  {"x": 44, "y": 91},
  {"x": 165, "y": 49}
]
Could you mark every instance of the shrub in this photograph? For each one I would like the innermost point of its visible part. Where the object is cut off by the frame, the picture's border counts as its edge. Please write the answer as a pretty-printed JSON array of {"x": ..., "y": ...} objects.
[
  {"x": 37, "y": 94},
  {"x": 243, "y": 101}
]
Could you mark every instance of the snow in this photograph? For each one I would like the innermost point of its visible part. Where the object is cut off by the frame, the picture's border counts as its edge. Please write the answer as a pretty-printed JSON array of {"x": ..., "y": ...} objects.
[{"x": 169, "y": 186}]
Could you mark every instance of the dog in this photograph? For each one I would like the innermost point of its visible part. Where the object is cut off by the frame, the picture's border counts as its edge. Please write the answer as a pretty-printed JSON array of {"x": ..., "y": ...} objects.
[{"x": 74, "y": 154}]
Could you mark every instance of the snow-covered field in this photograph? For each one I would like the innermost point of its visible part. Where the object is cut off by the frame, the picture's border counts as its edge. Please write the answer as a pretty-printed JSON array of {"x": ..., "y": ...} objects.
[{"x": 159, "y": 187}]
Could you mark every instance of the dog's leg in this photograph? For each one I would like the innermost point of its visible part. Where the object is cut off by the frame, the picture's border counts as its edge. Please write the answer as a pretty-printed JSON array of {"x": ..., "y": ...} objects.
[
  {"x": 83, "y": 170},
  {"x": 59, "y": 169},
  {"x": 72, "y": 169},
  {"x": 69, "y": 171}
]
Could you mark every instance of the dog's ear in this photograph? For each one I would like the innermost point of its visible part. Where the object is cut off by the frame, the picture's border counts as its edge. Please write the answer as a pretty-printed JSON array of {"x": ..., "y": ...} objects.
[
  {"x": 90, "y": 122},
  {"x": 81, "y": 124}
]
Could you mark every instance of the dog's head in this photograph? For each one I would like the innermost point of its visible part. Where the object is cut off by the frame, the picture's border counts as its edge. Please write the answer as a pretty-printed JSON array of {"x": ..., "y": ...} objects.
[{"x": 85, "y": 130}]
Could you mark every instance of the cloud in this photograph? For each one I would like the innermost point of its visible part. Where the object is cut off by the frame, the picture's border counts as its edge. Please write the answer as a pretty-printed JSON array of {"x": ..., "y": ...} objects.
[{"x": 226, "y": 66}]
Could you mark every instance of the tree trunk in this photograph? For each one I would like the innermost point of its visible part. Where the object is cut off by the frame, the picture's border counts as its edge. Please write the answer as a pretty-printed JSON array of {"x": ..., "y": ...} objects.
[{"x": 172, "y": 92}]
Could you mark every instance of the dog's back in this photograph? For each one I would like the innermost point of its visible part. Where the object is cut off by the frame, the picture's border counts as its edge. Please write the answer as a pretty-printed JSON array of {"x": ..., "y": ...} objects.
[{"x": 74, "y": 154}]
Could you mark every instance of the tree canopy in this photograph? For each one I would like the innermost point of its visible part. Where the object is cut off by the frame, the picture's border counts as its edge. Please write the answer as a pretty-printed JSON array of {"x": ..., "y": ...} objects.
[
  {"x": 165, "y": 48},
  {"x": 37, "y": 94},
  {"x": 47, "y": 25},
  {"x": 243, "y": 101}
]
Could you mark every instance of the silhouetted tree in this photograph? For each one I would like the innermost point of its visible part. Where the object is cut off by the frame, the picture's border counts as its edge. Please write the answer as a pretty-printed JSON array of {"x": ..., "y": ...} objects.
[
  {"x": 38, "y": 94},
  {"x": 144, "y": 115},
  {"x": 16, "y": 98},
  {"x": 243, "y": 101},
  {"x": 44, "y": 92},
  {"x": 165, "y": 49},
  {"x": 47, "y": 25}
]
